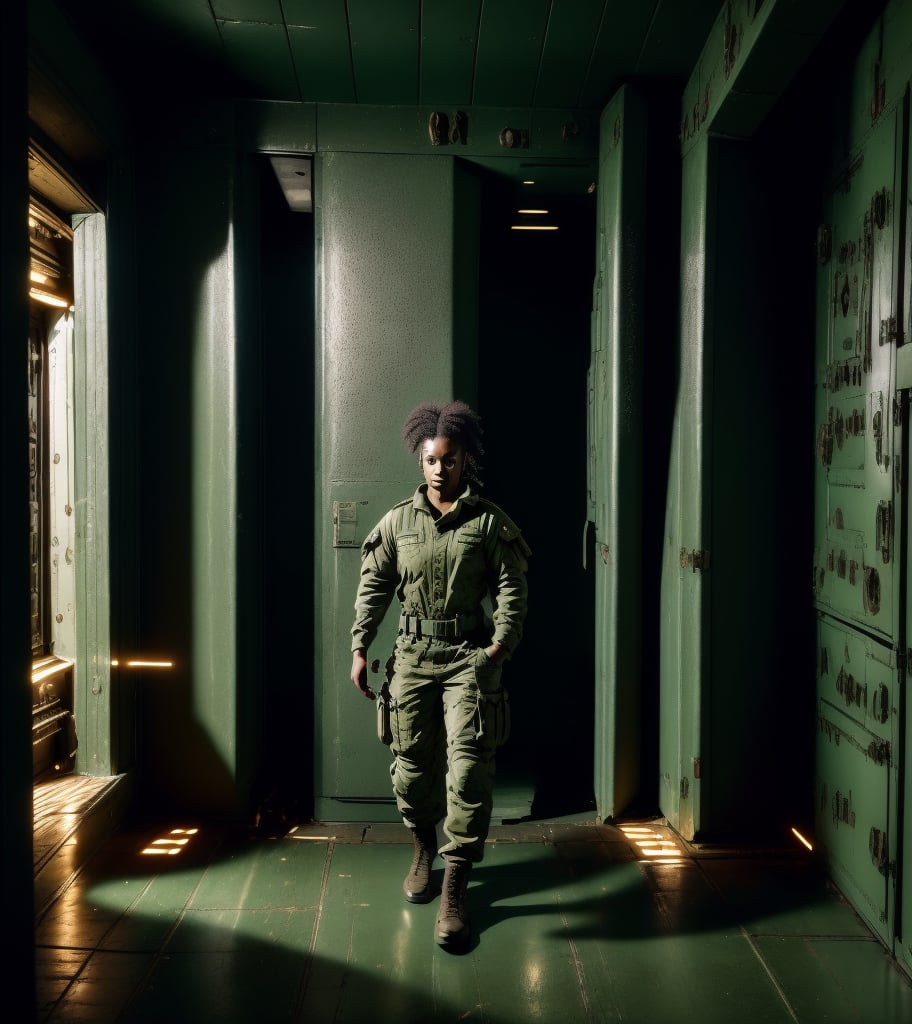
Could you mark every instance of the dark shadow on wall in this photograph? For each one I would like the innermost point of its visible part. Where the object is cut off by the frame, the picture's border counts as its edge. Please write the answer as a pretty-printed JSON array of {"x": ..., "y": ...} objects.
[
  {"x": 534, "y": 312},
  {"x": 284, "y": 782}
]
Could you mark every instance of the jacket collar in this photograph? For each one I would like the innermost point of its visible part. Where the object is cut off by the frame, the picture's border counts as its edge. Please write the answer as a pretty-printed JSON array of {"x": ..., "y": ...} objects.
[{"x": 421, "y": 504}]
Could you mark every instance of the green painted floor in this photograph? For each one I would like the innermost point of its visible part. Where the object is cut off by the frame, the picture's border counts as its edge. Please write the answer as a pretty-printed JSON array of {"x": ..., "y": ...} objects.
[{"x": 573, "y": 921}]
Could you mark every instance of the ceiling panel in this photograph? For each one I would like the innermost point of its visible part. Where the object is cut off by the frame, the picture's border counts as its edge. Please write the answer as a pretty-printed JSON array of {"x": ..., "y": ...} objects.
[
  {"x": 675, "y": 40},
  {"x": 449, "y": 35},
  {"x": 385, "y": 43},
  {"x": 267, "y": 12},
  {"x": 259, "y": 55},
  {"x": 318, "y": 41},
  {"x": 567, "y": 53},
  {"x": 510, "y": 42},
  {"x": 621, "y": 35},
  {"x": 449, "y": 53}
]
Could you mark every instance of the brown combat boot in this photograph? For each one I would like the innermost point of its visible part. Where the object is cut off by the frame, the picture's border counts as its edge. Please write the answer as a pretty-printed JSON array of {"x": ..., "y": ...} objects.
[
  {"x": 417, "y": 884},
  {"x": 453, "y": 929}
]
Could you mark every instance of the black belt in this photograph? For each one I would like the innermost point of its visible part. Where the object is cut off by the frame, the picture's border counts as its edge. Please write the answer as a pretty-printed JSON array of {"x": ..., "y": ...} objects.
[{"x": 448, "y": 629}]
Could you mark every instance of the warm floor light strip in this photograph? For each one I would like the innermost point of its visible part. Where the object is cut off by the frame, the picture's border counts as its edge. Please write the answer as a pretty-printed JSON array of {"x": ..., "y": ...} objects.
[
  {"x": 168, "y": 846},
  {"x": 801, "y": 839},
  {"x": 115, "y": 663},
  {"x": 533, "y": 227}
]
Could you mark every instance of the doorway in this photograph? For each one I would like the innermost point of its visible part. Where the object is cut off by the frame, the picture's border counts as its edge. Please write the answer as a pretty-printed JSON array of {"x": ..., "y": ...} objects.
[{"x": 535, "y": 297}]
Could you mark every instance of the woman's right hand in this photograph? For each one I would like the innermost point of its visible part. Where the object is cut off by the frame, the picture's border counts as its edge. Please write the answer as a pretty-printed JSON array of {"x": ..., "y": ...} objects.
[{"x": 359, "y": 674}]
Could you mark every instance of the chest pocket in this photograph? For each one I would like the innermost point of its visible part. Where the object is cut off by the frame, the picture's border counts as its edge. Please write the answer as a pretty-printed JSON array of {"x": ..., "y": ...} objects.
[
  {"x": 470, "y": 551},
  {"x": 468, "y": 540},
  {"x": 410, "y": 548}
]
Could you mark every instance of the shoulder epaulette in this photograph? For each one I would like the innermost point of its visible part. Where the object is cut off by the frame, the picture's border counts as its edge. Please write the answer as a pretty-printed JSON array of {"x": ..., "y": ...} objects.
[{"x": 507, "y": 529}]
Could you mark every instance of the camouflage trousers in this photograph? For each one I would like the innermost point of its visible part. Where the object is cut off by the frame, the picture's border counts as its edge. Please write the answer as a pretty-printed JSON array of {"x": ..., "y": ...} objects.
[{"x": 448, "y": 715}]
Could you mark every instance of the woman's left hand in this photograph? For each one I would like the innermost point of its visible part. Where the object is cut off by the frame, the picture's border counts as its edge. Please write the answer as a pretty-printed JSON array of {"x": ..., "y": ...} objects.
[{"x": 497, "y": 653}]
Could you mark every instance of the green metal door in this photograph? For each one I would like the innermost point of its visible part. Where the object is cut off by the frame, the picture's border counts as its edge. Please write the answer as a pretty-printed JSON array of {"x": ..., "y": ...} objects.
[
  {"x": 684, "y": 585},
  {"x": 615, "y": 449}
]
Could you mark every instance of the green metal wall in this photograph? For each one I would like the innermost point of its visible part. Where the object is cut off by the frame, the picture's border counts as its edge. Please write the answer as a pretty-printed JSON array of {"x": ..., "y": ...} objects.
[
  {"x": 861, "y": 556},
  {"x": 199, "y": 430},
  {"x": 389, "y": 292},
  {"x": 724, "y": 618}
]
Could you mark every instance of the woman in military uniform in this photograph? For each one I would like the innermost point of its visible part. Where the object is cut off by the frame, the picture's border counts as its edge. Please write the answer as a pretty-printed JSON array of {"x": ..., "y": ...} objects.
[{"x": 457, "y": 564}]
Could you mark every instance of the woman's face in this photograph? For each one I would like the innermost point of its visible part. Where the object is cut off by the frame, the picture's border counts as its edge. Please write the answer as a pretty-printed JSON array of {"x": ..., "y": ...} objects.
[{"x": 442, "y": 462}]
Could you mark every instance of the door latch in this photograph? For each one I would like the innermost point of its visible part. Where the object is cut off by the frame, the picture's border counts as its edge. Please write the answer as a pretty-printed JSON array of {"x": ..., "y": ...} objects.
[{"x": 695, "y": 560}]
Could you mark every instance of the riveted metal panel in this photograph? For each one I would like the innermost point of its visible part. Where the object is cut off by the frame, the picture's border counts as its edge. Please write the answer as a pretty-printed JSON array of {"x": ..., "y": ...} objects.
[
  {"x": 856, "y": 778},
  {"x": 857, "y": 677},
  {"x": 855, "y": 535}
]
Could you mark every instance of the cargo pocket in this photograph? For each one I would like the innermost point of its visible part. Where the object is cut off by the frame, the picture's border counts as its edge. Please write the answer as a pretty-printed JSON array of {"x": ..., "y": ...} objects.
[
  {"x": 493, "y": 717},
  {"x": 492, "y": 713}
]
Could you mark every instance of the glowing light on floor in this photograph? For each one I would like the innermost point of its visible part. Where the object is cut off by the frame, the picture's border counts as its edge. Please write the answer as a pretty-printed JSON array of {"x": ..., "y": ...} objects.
[
  {"x": 801, "y": 839},
  {"x": 654, "y": 846},
  {"x": 291, "y": 834},
  {"x": 171, "y": 844},
  {"x": 135, "y": 663}
]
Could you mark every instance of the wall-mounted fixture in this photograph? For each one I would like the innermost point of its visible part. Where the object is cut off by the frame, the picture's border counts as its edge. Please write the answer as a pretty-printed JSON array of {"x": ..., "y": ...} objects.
[
  {"x": 438, "y": 128},
  {"x": 514, "y": 138},
  {"x": 459, "y": 128},
  {"x": 442, "y": 129}
]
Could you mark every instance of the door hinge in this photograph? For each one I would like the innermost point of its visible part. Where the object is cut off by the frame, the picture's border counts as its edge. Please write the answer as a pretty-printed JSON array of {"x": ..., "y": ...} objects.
[
  {"x": 884, "y": 528},
  {"x": 889, "y": 332},
  {"x": 695, "y": 560}
]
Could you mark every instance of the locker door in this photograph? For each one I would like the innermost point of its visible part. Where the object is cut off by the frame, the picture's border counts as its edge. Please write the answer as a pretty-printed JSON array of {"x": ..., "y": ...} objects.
[
  {"x": 855, "y": 561},
  {"x": 860, "y": 560},
  {"x": 857, "y": 766}
]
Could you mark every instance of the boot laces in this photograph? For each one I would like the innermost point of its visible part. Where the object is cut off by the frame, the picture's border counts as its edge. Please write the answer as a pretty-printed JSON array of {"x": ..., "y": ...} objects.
[{"x": 456, "y": 879}]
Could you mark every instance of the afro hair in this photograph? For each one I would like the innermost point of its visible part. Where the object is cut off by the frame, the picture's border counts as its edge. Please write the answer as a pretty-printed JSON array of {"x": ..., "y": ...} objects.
[{"x": 454, "y": 420}]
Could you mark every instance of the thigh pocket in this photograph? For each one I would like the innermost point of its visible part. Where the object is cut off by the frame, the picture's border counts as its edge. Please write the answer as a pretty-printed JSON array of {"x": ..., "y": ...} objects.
[
  {"x": 492, "y": 716},
  {"x": 492, "y": 721}
]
